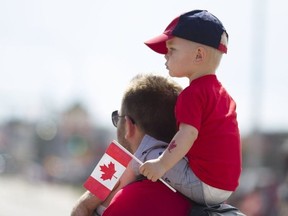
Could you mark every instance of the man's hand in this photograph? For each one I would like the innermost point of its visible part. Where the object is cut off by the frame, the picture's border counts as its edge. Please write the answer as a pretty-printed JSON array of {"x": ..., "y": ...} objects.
[
  {"x": 152, "y": 169},
  {"x": 86, "y": 205}
]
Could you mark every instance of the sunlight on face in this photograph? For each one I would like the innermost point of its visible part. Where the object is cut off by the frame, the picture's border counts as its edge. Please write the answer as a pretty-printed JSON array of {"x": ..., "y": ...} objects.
[{"x": 180, "y": 57}]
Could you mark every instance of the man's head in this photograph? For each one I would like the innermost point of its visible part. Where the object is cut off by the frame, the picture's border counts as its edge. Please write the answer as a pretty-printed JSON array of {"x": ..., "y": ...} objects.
[
  {"x": 148, "y": 104},
  {"x": 199, "y": 26}
]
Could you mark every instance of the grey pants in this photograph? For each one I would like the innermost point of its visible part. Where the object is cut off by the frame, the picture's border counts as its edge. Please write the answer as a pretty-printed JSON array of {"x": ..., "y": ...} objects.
[{"x": 182, "y": 178}]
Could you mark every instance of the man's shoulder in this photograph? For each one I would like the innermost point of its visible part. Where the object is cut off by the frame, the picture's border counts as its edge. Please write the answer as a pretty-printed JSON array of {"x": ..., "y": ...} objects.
[{"x": 150, "y": 148}]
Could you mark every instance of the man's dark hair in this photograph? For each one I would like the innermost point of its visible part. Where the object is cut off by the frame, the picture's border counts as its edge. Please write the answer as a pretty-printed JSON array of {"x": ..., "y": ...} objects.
[{"x": 150, "y": 100}]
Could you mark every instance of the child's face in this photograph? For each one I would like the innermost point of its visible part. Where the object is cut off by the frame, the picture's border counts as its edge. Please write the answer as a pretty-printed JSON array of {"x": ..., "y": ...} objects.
[{"x": 180, "y": 57}]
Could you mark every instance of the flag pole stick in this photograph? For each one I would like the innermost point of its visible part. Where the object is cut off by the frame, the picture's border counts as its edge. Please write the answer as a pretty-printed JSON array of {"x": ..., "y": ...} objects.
[{"x": 140, "y": 162}]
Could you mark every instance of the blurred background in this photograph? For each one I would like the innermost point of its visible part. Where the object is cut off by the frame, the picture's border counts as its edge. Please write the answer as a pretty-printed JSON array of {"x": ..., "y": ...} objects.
[{"x": 65, "y": 64}]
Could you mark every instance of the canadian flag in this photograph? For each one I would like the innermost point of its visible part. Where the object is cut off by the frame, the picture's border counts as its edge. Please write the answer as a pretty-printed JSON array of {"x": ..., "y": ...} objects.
[{"x": 108, "y": 170}]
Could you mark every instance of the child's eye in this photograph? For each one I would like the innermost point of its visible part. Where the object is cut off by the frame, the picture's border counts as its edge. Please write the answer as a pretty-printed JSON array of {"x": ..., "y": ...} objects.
[{"x": 170, "y": 49}]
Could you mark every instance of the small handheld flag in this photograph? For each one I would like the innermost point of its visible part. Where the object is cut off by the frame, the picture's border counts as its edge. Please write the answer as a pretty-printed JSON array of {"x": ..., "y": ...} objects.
[{"x": 109, "y": 170}]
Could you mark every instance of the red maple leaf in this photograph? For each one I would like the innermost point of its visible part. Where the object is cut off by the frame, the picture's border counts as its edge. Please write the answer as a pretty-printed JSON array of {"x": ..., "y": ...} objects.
[
  {"x": 172, "y": 145},
  {"x": 108, "y": 171}
]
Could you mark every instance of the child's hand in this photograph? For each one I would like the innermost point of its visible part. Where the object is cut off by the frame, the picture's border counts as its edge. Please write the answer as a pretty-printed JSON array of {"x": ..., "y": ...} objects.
[{"x": 152, "y": 169}]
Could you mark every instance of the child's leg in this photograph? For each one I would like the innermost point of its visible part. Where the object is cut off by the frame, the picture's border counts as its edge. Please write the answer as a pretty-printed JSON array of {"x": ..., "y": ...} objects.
[
  {"x": 185, "y": 181},
  {"x": 214, "y": 195},
  {"x": 182, "y": 178}
]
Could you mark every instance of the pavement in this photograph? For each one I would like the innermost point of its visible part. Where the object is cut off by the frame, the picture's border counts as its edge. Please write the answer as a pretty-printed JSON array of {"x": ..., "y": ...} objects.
[{"x": 26, "y": 198}]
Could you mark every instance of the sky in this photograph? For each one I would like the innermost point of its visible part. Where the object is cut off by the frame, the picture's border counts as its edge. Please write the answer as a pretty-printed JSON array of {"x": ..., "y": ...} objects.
[{"x": 58, "y": 52}]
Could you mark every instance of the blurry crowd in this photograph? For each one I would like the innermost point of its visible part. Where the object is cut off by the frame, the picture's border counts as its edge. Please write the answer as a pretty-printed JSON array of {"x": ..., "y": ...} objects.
[
  {"x": 65, "y": 148},
  {"x": 62, "y": 148},
  {"x": 263, "y": 189}
]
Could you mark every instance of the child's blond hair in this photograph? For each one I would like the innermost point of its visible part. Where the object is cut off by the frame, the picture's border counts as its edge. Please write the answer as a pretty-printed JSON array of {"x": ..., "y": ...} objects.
[{"x": 216, "y": 55}]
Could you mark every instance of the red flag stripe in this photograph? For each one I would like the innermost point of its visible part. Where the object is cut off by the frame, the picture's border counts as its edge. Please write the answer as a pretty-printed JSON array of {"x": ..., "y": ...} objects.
[
  {"x": 96, "y": 188},
  {"x": 118, "y": 154}
]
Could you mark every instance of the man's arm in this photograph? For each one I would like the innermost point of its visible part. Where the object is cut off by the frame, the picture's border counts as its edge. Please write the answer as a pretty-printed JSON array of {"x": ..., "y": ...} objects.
[
  {"x": 85, "y": 205},
  {"x": 88, "y": 203}
]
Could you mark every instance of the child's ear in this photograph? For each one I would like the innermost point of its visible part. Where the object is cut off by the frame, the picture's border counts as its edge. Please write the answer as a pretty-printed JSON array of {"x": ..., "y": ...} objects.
[{"x": 200, "y": 55}]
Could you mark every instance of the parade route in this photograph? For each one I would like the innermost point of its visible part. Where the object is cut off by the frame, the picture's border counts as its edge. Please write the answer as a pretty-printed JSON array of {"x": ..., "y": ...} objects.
[{"x": 19, "y": 197}]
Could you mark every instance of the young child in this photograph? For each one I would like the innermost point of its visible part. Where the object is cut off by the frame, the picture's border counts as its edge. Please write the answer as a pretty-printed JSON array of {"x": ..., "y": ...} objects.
[{"x": 208, "y": 133}]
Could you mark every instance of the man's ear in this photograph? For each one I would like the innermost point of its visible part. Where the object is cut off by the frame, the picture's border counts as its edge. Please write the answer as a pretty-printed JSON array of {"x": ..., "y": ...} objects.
[{"x": 129, "y": 128}]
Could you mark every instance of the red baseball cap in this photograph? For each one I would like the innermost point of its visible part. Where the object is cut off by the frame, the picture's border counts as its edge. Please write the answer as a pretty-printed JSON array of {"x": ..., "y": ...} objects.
[{"x": 198, "y": 25}]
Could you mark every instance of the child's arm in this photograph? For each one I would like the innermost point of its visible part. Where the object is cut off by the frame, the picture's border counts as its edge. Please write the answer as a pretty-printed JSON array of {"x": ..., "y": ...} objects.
[{"x": 177, "y": 149}]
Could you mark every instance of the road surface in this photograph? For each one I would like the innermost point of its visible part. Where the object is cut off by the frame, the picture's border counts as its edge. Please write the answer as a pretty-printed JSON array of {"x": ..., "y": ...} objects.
[{"x": 22, "y": 198}]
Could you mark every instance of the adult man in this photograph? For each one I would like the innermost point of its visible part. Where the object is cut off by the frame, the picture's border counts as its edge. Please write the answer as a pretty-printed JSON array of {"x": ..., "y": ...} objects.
[{"x": 146, "y": 117}]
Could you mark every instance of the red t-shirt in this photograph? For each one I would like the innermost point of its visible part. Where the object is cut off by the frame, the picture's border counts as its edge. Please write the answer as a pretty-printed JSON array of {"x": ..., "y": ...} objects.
[
  {"x": 215, "y": 156},
  {"x": 143, "y": 198}
]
